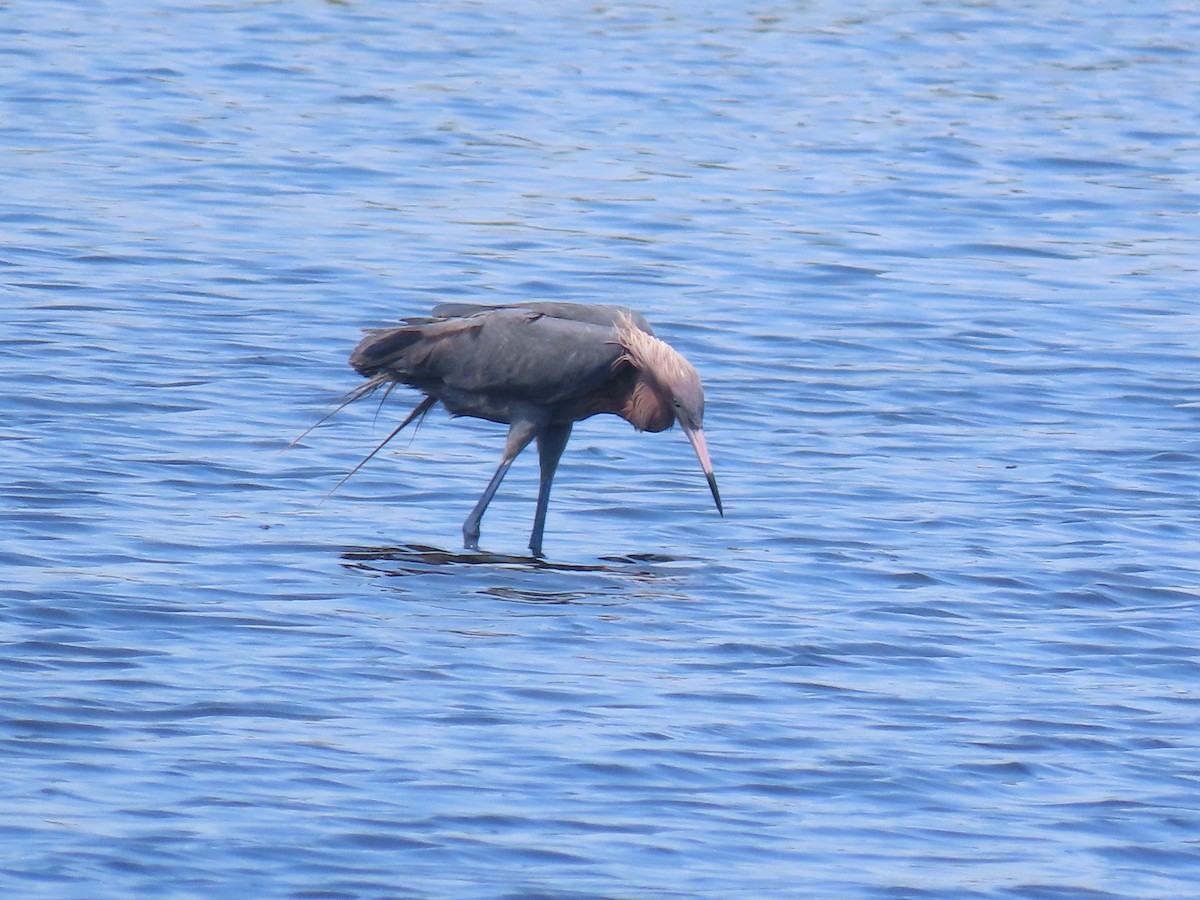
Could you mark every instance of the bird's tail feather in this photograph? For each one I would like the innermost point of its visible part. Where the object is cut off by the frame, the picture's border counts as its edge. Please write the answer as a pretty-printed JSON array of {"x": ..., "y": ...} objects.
[
  {"x": 383, "y": 348},
  {"x": 418, "y": 414},
  {"x": 363, "y": 390}
]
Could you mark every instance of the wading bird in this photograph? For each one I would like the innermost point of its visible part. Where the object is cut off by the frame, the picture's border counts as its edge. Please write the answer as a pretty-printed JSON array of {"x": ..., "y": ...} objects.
[{"x": 538, "y": 368}]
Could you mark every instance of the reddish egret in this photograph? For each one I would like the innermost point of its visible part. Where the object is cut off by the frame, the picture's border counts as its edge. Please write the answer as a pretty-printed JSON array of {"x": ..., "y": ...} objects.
[{"x": 538, "y": 368}]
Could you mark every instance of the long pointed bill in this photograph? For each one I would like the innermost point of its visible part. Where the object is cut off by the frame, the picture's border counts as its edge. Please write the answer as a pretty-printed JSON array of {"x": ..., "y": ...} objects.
[{"x": 696, "y": 437}]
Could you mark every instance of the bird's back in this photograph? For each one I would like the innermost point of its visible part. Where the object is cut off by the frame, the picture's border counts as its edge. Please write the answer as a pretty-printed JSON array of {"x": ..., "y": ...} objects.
[{"x": 592, "y": 313}]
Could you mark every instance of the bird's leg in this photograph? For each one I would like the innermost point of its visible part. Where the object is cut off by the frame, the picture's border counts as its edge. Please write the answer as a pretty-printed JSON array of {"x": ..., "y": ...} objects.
[
  {"x": 551, "y": 443},
  {"x": 520, "y": 433}
]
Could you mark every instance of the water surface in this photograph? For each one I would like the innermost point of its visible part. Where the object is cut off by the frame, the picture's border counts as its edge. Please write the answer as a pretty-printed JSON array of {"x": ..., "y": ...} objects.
[{"x": 937, "y": 267}]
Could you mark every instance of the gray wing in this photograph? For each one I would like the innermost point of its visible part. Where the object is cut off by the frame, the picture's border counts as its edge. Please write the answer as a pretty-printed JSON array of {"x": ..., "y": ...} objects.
[
  {"x": 490, "y": 363},
  {"x": 593, "y": 313}
]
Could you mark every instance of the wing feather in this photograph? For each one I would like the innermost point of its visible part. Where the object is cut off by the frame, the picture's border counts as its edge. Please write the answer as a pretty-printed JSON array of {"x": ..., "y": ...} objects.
[{"x": 488, "y": 363}]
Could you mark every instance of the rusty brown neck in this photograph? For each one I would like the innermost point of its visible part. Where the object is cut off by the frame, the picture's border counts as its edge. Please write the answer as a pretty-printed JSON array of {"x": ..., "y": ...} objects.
[
  {"x": 631, "y": 395},
  {"x": 646, "y": 408}
]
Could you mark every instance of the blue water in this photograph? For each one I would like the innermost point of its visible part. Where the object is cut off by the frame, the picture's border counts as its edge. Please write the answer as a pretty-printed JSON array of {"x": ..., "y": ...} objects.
[{"x": 937, "y": 265}]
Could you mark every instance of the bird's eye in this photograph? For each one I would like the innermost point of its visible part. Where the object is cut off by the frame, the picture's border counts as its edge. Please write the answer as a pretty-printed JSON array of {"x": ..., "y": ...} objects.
[{"x": 677, "y": 404}]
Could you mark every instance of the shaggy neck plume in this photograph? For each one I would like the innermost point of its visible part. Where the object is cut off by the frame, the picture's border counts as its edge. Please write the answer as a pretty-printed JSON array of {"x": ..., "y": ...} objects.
[{"x": 649, "y": 406}]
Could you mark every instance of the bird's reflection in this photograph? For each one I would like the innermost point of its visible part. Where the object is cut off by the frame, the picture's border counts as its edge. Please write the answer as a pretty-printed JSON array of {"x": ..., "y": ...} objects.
[{"x": 418, "y": 559}]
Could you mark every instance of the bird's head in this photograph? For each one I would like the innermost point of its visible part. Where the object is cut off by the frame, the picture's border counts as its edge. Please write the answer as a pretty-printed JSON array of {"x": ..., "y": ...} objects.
[{"x": 676, "y": 387}]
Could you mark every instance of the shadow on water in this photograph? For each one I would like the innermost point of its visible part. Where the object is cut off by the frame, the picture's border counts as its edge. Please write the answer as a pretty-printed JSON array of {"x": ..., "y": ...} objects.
[{"x": 417, "y": 559}]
